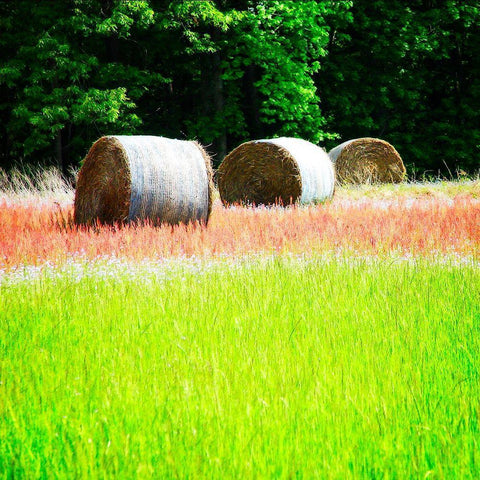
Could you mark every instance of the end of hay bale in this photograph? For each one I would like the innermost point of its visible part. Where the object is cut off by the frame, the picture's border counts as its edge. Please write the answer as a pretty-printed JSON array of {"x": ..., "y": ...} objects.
[
  {"x": 103, "y": 186},
  {"x": 367, "y": 160},
  {"x": 259, "y": 173}
]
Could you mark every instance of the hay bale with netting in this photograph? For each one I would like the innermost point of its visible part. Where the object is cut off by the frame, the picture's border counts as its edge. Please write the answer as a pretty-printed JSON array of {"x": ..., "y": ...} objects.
[
  {"x": 367, "y": 160},
  {"x": 144, "y": 178},
  {"x": 276, "y": 171}
]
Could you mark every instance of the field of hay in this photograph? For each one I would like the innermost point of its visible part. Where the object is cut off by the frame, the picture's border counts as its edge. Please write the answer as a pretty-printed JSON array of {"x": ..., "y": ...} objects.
[{"x": 338, "y": 340}]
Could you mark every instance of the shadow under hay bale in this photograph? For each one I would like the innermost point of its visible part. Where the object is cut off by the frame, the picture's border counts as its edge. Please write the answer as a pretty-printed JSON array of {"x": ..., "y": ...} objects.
[
  {"x": 144, "y": 178},
  {"x": 367, "y": 160},
  {"x": 277, "y": 171}
]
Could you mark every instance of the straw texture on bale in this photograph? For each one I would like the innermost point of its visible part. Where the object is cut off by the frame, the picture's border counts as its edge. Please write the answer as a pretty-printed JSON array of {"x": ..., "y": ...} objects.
[
  {"x": 140, "y": 178},
  {"x": 367, "y": 160},
  {"x": 276, "y": 171}
]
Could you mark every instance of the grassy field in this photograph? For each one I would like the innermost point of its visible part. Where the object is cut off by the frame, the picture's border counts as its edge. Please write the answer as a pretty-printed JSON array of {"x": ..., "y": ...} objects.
[
  {"x": 270, "y": 367},
  {"x": 334, "y": 341}
]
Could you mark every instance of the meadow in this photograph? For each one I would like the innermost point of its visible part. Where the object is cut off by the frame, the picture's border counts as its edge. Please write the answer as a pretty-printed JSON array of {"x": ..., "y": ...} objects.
[{"x": 332, "y": 341}]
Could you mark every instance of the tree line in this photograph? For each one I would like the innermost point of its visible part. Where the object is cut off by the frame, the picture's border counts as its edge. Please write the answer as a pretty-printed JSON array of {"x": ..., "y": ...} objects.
[{"x": 227, "y": 71}]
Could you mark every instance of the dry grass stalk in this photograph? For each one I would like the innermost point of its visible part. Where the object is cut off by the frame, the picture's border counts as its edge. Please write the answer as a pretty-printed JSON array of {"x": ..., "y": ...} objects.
[
  {"x": 277, "y": 171},
  {"x": 35, "y": 185},
  {"x": 144, "y": 178},
  {"x": 367, "y": 160}
]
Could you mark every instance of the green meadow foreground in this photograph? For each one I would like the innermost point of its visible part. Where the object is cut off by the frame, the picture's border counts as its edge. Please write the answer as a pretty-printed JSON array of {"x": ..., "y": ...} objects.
[{"x": 268, "y": 367}]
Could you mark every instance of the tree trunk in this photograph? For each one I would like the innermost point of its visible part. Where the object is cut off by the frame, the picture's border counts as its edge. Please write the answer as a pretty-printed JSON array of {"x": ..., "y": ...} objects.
[
  {"x": 112, "y": 48},
  {"x": 59, "y": 151},
  {"x": 213, "y": 103},
  {"x": 111, "y": 42},
  {"x": 218, "y": 105},
  {"x": 252, "y": 103}
]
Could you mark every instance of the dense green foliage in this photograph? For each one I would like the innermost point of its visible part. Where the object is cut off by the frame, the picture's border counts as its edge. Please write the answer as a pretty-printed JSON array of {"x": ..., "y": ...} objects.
[
  {"x": 226, "y": 71},
  {"x": 272, "y": 369}
]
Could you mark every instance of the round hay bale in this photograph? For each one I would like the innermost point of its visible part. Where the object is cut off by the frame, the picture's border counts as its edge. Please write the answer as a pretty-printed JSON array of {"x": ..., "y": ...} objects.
[
  {"x": 367, "y": 160},
  {"x": 277, "y": 171},
  {"x": 138, "y": 178}
]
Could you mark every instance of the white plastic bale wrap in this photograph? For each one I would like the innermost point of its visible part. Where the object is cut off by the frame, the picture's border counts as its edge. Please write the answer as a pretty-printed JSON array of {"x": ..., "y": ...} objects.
[
  {"x": 335, "y": 152},
  {"x": 169, "y": 179},
  {"x": 316, "y": 169}
]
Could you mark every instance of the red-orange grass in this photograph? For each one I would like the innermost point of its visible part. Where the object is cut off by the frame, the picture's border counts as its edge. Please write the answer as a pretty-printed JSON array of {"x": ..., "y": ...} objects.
[{"x": 36, "y": 234}]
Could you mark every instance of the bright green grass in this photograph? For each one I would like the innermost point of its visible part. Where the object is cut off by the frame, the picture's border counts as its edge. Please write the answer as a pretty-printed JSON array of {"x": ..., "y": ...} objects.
[{"x": 268, "y": 369}]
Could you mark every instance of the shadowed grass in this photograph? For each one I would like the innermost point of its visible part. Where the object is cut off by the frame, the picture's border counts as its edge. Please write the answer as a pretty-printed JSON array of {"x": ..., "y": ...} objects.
[{"x": 273, "y": 368}]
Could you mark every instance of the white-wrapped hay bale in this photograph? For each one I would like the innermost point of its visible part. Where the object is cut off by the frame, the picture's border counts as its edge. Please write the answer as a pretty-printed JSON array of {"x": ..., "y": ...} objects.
[
  {"x": 138, "y": 178},
  {"x": 276, "y": 171},
  {"x": 367, "y": 160}
]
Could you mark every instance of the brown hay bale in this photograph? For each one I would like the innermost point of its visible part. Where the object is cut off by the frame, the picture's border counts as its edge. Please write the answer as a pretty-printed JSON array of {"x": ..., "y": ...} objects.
[
  {"x": 367, "y": 160},
  {"x": 281, "y": 170},
  {"x": 138, "y": 178}
]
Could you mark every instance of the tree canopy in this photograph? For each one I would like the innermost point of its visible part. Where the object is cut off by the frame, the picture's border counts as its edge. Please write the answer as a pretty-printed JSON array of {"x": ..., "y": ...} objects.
[{"x": 227, "y": 71}]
